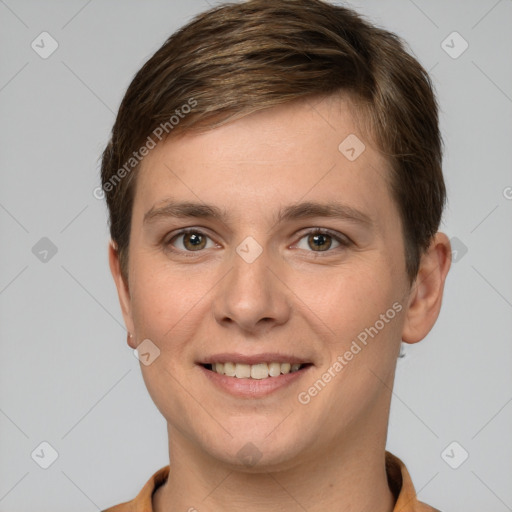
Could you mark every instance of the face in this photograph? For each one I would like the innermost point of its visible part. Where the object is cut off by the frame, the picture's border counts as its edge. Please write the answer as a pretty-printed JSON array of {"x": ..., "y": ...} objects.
[{"x": 260, "y": 245}]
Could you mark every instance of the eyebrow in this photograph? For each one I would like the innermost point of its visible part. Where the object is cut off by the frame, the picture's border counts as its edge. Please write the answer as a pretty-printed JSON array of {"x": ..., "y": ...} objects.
[{"x": 304, "y": 210}]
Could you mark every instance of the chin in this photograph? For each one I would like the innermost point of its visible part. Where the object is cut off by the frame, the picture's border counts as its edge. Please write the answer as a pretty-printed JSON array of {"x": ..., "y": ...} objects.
[{"x": 256, "y": 449}]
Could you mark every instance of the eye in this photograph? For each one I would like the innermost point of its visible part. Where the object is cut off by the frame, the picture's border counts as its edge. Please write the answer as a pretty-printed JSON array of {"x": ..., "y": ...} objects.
[
  {"x": 190, "y": 240},
  {"x": 321, "y": 240},
  {"x": 316, "y": 240}
]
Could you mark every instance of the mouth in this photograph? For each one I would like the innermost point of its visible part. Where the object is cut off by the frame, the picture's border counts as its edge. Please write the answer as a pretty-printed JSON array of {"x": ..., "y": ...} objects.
[
  {"x": 258, "y": 371},
  {"x": 253, "y": 375}
]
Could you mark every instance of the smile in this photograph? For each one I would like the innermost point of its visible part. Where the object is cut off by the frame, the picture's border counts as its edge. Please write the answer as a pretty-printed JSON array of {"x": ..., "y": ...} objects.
[{"x": 257, "y": 371}]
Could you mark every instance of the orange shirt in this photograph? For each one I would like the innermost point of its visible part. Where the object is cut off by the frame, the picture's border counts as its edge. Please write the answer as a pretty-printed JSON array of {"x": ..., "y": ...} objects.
[{"x": 399, "y": 480}]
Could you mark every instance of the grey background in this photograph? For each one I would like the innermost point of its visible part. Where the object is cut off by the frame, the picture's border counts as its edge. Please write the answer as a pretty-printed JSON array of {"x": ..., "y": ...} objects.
[{"x": 67, "y": 376}]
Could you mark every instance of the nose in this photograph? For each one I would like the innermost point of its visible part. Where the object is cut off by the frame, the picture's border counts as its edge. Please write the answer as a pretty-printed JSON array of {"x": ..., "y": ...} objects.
[{"x": 251, "y": 297}]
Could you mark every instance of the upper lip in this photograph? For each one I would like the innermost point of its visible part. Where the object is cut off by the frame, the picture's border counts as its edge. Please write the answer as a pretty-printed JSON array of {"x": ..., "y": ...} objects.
[{"x": 267, "y": 357}]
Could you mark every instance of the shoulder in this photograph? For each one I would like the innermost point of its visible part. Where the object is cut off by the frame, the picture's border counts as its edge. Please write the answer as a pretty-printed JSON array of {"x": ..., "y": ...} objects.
[
  {"x": 142, "y": 502},
  {"x": 401, "y": 485}
]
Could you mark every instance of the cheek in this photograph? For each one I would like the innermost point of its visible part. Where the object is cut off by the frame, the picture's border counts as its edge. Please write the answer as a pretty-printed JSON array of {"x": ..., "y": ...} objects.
[
  {"x": 162, "y": 295},
  {"x": 170, "y": 307},
  {"x": 347, "y": 297},
  {"x": 360, "y": 309},
  {"x": 165, "y": 308},
  {"x": 159, "y": 304},
  {"x": 363, "y": 311}
]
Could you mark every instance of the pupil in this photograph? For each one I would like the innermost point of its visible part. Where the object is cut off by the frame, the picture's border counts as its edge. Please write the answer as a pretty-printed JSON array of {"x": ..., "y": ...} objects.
[
  {"x": 319, "y": 241},
  {"x": 194, "y": 240}
]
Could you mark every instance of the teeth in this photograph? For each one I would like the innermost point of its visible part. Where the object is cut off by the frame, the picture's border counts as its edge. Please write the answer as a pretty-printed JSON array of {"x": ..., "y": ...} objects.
[
  {"x": 243, "y": 371},
  {"x": 259, "y": 371},
  {"x": 274, "y": 369},
  {"x": 285, "y": 367},
  {"x": 229, "y": 369},
  {"x": 255, "y": 371}
]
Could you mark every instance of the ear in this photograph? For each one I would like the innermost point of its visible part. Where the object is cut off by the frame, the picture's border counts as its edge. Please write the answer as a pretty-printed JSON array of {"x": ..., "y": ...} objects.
[
  {"x": 123, "y": 291},
  {"x": 427, "y": 290}
]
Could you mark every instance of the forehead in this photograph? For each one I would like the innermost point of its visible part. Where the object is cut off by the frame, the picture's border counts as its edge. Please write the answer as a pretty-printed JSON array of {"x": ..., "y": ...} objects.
[{"x": 310, "y": 149}]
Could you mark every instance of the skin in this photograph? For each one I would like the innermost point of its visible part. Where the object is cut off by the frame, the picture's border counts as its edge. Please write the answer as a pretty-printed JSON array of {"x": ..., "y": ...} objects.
[{"x": 329, "y": 453}]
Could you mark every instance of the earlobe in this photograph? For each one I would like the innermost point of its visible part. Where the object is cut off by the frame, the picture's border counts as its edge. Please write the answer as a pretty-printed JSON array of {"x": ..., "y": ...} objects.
[
  {"x": 123, "y": 291},
  {"x": 427, "y": 291}
]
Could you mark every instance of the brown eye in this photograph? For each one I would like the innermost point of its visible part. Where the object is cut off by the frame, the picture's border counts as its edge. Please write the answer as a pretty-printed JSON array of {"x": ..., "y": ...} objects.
[
  {"x": 194, "y": 241},
  {"x": 190, "y": 241},
  {"x": 319, "y": 242}
]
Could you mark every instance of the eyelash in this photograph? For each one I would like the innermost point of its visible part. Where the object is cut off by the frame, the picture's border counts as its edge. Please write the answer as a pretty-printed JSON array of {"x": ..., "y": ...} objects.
[{"x": 342, "y": 240}]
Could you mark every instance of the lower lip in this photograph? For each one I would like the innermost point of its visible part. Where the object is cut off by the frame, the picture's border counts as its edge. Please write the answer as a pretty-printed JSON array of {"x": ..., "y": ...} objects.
[{"x": 252, "y": 388}]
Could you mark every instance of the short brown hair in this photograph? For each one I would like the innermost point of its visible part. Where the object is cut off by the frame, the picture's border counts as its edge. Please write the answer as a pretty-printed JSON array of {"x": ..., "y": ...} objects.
[{"x": 239, "y": 58}]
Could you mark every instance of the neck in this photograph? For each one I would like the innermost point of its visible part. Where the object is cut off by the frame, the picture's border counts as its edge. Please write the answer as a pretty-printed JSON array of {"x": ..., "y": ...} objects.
[{"x": 351, "y": 477}]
